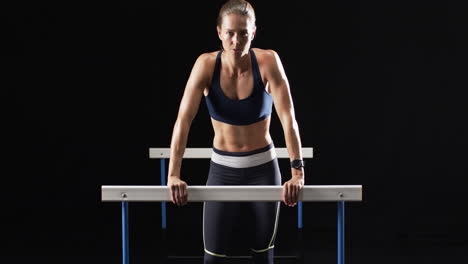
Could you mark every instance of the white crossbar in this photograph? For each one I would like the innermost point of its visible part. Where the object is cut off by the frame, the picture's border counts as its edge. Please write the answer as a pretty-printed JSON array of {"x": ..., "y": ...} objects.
[
  {"x": 309, "y": 193},
  {"x": 205, "y": 153}
]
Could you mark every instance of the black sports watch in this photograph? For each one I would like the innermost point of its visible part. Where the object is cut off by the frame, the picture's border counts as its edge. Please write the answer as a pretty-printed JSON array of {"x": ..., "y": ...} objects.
[{"x": 297, "y": 163}]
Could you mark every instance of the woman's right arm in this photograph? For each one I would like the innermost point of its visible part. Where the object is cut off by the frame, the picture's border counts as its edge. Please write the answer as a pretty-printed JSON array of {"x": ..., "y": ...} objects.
[{"x": 188, "y": 108}]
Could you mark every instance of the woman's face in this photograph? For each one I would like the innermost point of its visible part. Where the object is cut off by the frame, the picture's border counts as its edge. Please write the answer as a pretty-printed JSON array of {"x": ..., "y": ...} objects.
[{"x": 236, "y": 33}]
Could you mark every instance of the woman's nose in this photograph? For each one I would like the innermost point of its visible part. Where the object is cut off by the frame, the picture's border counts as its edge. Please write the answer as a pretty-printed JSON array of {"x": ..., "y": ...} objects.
[{"x": 235, "y": 39}]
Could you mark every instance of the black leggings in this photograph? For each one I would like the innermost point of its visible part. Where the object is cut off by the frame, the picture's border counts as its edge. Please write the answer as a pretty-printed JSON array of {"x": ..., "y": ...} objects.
[{"x": 219, "y": 217}]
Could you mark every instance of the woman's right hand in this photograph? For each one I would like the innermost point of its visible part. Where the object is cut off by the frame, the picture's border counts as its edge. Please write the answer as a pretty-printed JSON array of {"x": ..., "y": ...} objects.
[{"x": 178, "y": 190}]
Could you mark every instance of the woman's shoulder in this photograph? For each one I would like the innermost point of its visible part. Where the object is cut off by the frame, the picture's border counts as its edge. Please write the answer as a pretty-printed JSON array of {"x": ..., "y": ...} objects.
[
  {"x": 265, "y": 56},
  {"x": 207, "y": 61},
  {"x": 268, "y": 61},
  {"x": 264, "y": 52},
  {"x": 204, "y": 67},
  {"x": 207, "y": 57}
]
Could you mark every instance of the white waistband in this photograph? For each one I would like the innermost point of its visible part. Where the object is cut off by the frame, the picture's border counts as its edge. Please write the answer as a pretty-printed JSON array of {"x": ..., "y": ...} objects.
[{"x": 245, "y": 161}]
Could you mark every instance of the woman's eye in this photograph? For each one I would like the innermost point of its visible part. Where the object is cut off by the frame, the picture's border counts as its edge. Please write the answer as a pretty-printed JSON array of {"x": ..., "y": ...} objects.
[{"x": 243, "y": 34}]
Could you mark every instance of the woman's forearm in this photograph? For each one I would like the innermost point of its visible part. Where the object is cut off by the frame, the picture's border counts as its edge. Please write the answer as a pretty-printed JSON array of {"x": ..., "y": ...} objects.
[
  {"x": 294, "y": 146},
  {"x": 178, "y": 145}
]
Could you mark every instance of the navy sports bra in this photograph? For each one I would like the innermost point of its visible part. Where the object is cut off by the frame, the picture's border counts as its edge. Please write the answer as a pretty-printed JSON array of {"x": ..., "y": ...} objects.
[{"x": 256, "y": 107}]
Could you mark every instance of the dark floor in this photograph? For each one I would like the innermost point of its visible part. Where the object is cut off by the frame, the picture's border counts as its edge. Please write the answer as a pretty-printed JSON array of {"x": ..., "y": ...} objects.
[
  {"x": 77, "y": 244},
  {"x": 443, "y": 255},
  {"x": 363, "y": 259}
]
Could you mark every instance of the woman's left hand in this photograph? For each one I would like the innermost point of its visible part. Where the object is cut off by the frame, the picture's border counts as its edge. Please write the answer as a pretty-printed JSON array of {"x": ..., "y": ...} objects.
[{"x": 291, "y": 190}]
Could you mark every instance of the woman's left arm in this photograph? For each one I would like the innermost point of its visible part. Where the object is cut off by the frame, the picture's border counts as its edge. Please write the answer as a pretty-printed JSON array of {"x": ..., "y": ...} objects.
[{"x": 280, "y": 91}]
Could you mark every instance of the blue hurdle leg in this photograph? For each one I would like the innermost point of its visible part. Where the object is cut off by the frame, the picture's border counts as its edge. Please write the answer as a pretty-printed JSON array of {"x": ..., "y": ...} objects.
[
  {"x": 341, "y": 217},
  {"x": 163, "y": 204},
  {"x": 299, "y": 233},
  {"x": 299, "y": 215},
  {"x": 125, "y": 248},
  {"x": 163, "y": 215}
]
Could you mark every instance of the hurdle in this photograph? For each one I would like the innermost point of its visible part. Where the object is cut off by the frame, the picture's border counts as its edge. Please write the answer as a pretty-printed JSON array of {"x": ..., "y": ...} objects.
[{"x": 149, "y": 193}]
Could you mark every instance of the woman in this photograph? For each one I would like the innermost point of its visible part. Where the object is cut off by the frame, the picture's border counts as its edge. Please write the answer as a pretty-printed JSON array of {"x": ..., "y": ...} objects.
[{"x": 240, "y": 84}]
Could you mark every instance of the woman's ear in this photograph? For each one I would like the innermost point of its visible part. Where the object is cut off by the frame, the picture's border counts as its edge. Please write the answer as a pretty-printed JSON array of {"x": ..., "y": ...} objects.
[
  {"x": 254, "y": 32},
  {"x": 218, "y": 29}
]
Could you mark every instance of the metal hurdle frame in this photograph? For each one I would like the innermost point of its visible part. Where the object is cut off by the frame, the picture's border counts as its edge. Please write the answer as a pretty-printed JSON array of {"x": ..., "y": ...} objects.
[
  {"x": 126, "y": 194},
  {"x": 205, "y": 153}
]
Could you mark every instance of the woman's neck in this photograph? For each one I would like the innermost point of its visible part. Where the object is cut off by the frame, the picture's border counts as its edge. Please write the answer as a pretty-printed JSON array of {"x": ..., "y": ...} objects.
[{"x": 236, "y": 65}]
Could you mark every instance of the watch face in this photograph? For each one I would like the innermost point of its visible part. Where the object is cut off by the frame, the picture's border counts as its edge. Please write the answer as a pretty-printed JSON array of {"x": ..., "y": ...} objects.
[{"x": 296, "y": 164}]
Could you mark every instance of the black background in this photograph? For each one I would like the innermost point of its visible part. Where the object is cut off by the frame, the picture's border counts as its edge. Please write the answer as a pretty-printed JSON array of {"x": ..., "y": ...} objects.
[{"x": 379, "y": 89}]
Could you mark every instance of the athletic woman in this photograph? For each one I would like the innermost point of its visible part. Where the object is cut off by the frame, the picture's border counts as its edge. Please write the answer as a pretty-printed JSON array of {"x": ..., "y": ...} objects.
[{"x": 240, "y": 84}]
